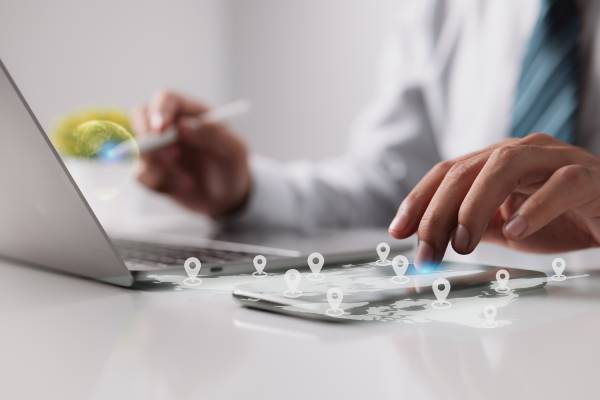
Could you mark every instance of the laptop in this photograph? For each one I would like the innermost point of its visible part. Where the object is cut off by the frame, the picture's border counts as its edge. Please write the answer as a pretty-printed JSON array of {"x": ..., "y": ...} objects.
[{"x": 45, "y": 220}]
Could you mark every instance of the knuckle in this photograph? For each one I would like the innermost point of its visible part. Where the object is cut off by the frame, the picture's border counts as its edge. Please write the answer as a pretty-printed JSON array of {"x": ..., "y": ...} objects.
[
  {"x": 505, "y": 154},
  {"x": 574, "y": 174},
  {"x": 459, "y": 170},
  {"x": 442, "y": 166},
  {"x": 429, "y": 227},
  {"x": 537, "y": 137}
]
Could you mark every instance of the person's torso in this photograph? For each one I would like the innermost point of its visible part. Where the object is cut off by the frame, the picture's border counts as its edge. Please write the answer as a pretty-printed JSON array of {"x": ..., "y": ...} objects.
[{"x": 477, "y": 53}]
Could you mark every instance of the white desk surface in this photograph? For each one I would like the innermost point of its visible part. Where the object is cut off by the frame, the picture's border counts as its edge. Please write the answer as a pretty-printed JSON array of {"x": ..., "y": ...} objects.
[{"x": 68, "y": 338}]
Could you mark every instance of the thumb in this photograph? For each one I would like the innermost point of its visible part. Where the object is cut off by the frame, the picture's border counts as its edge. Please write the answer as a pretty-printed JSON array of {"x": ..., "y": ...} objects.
[{"x": 166, "y": 106}]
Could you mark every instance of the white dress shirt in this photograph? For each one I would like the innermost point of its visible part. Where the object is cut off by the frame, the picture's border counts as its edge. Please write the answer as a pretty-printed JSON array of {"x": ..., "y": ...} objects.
[{"x": 448, "y": 80}]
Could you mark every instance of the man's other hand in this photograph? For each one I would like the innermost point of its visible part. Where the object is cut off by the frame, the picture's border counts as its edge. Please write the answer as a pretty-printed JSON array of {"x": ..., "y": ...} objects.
[{"x": 205, "y": 170}]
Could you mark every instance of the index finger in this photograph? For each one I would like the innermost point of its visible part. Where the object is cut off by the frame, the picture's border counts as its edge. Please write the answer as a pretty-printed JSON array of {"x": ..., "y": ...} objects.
[
  {"x": 415, "y": 204},
  {"x": 165, "y": 106}
]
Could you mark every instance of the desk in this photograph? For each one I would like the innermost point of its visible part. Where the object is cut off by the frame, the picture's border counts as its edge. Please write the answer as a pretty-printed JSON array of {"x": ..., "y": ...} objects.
[{"x": 67, "y": 338}]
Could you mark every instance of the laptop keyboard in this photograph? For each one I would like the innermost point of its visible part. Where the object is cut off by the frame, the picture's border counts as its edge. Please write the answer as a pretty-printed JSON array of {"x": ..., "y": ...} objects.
[{"x": 143, "y": 256}]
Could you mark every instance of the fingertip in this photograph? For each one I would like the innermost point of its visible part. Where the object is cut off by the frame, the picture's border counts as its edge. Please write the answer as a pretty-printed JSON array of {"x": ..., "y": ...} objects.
[
  {"x": 461, "y": 240},
  {"x": 400, "y": 225},
  {"x": 425, "y": 254},
  {"x": 460, "y": 250},
  {"x": 515, "y": 227},
  {"x": 395, "y": 234},
  {"x": 399, "y": 234}
]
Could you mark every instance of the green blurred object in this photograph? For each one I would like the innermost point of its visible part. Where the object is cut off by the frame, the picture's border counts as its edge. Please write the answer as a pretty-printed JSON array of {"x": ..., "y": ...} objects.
[
  {"x": 83, "y": 134},
  {"x": 95, "y": 139}
]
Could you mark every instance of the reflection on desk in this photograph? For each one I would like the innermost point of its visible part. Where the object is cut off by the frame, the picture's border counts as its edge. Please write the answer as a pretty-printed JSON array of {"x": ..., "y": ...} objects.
[{"x": 68, "y": 338}]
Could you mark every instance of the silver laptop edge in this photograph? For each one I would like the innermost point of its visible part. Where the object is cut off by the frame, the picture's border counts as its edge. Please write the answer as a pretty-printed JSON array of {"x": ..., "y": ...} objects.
[{"x": 44, "y": 218}]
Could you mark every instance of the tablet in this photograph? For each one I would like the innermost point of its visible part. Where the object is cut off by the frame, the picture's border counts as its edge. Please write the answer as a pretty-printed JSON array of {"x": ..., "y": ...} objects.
[{"x": 366, "y": 292}]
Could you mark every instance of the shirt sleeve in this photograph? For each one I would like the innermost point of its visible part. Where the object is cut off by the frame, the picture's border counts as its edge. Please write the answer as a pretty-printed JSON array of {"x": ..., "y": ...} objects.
[{"x": 392, "y": 147}]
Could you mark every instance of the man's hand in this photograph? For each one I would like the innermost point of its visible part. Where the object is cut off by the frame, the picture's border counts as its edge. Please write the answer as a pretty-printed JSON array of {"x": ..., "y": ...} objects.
[
  {"x": 206, "y": 170},
  {"x": 533, "y": 194}
]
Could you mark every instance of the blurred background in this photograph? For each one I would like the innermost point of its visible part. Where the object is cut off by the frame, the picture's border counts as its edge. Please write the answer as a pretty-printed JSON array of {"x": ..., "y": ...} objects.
[{"x": 307, "y": 66}]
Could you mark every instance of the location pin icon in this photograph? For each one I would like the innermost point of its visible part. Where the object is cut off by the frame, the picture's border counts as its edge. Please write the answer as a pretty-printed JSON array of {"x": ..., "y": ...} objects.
[
  {"x": 292, "y": 280},
  {"x": 441, "y": 289},
  {"x": 558, "y": 265},
  {"x": 334, "y": 298},
  {"x": 502, "y": 277},
  {"x": 383, "y": 251},
  {"x": 192, "y": 267},
  {"x": 260, "y": 262},
  {"x": 400, "y": 264},
  {"x": 315, "y": 263}
]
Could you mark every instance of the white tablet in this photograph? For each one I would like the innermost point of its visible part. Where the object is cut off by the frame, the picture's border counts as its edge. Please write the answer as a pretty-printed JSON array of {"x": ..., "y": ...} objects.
[{"x": 363, "y": 292}]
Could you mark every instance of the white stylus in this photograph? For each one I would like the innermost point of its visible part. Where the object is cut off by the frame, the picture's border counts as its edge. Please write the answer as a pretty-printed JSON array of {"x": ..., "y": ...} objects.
[{"x": 154, "y": 142}]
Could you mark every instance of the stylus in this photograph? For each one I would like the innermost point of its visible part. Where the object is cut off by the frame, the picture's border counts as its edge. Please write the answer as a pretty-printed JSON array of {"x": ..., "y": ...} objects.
[{"x": 154, "y": 142}]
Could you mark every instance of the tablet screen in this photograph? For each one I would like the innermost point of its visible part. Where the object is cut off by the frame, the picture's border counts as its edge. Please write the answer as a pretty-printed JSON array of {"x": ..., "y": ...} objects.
[{"x": 364, "y": 292}]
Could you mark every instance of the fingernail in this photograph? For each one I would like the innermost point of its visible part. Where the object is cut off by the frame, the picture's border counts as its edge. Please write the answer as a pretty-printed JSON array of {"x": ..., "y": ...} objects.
[
  {"x": 401, "y": 220},
  {"x": 515, "y": 226},
  {"x": 156, "y": 121},
  {"x": 462, "y": 238},
  {"x": 424, "y": 254}
]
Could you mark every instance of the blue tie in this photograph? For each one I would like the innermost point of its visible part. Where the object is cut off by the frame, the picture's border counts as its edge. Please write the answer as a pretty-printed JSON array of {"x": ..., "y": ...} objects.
[{"x": 547, "y": 93}]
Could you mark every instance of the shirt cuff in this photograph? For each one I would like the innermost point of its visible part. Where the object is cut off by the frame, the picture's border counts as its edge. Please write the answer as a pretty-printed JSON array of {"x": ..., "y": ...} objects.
[{"x": 271, "y": 200}]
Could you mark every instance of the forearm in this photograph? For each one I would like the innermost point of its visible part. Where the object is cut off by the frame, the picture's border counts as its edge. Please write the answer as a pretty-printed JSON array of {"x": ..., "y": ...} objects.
[{"x": 306, "y": 195}]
